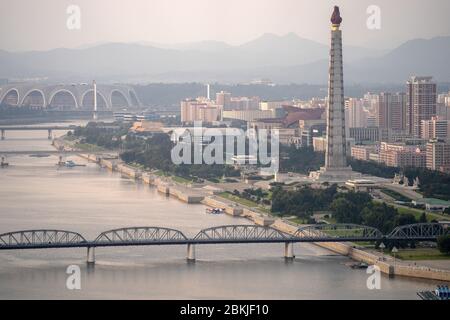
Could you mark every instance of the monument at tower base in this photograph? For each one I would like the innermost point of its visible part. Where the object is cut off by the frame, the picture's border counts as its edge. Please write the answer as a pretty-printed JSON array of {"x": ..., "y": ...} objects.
[{"x": 334, "y": 175}]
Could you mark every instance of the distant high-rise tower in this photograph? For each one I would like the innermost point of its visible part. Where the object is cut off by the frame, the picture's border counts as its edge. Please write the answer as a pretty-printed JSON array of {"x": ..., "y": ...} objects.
[
  {"x": 208, "y": 91},
  {"x": 336, "y": 168},
  {"x": 223, "y": 99},
  {"x": 95, "y": 115},
  {"x": 421, "y": 103},
  {"x": 391, "y": 111}
]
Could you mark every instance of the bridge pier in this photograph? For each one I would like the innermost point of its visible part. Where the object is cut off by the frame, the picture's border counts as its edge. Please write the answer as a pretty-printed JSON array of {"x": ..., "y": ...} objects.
[
  {"x": 190, "y": 253},
  {"x": 3, "y": 134},
  {"x": 289, "y": 251},
  {"x": 91, "y": 255},
  {"x": 49, "y": 134}
]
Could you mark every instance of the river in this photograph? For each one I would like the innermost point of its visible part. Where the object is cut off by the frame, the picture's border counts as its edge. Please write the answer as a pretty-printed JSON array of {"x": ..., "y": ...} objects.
[{"x": 36, "y": 194}]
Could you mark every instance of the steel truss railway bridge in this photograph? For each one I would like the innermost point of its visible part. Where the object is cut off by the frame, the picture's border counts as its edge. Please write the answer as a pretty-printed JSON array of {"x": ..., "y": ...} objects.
[{"x": 229, "y": 234}]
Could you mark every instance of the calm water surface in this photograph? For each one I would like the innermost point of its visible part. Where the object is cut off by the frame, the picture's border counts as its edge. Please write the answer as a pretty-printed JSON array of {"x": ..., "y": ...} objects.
[{"x": 35, "y": 194}]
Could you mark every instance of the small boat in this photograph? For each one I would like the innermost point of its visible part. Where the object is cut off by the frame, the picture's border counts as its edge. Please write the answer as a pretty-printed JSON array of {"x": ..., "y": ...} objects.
[
  {"x": 440, "y": 293},
  {"x": 69, "y": 164},
  {"x": 215, "y": 211},
  {"x": 360, "y": 265},
  {"x": 39, "y": 155},
  {"x": 4, "y": 163}
]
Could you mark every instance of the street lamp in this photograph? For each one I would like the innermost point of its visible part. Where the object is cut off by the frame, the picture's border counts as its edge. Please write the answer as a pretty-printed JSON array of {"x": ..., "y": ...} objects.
[
  {"x": 382, "y": 246},
  {"x": 394, "y": 251}
]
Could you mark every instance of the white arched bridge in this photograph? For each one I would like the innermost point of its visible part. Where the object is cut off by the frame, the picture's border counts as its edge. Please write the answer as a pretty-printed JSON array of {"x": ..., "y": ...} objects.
[
  {"x": 228, "y": 234},
  {"x": 68, "y": 97}
]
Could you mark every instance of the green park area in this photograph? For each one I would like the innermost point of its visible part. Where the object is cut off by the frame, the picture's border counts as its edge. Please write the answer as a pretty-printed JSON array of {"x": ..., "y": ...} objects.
[
  {"x": 421, "y": 254},
  {"x": 87, "y": 147},
  {"x": 244, "y": 202}
]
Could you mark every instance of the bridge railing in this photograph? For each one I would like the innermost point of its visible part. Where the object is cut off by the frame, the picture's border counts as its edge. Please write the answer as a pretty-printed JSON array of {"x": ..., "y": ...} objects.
[
  {"x": 338, "y": 231},
  {"x": 419, "y": 231},
  {"x": 140, "y": 235},
  {"x": 221, "y": 234},
  {"x": 36, "y": 238},
  {"x": 240, "y": 233}
]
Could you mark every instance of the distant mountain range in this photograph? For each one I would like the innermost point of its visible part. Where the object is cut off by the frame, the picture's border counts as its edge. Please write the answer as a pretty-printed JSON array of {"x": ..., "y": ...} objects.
[{"x": 283, "y": 59}]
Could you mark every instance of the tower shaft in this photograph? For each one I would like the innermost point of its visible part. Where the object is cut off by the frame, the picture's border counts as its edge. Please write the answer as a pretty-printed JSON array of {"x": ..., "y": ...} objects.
[{"x": 336, "y": 141}]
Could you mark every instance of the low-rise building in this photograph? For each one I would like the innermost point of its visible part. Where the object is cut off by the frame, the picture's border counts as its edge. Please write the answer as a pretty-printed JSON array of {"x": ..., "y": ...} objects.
[
  {"x": 147, "y": 127},
  {"x": 247, "y": 115},
  {"x": 365, "y": 134},
  {"x": 361, "y": 152},
  {"x": 432, "y": 204},
  {"x": 362, "y": 185},
  {"x": 320, "y": 144},
  {"x": 401, "y": 155}
]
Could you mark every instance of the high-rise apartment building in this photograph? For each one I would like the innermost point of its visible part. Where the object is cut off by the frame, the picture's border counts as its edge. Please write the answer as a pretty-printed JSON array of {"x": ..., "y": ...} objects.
[
  {"x": 435, "y": 128},
  {"x": 223, "y": 99},
  {"x": 355, "y": 114},
  {"x": 391, "y": 111},
  {"x": 438, "y": 155},
  {"x": 193, "y": 110},
  {"x": 421, "y": 102}
]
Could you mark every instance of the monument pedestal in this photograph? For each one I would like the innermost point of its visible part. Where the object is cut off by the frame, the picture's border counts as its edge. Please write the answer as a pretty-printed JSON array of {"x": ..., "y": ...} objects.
[{"x": 334, "y": 175}]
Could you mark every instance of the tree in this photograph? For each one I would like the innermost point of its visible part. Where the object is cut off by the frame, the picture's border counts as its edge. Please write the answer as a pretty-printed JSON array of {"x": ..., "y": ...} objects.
[
  {"x": 344, "y": 211},
  {"x": 302, "y": 160},
  {"x": 444, "y": 244},
  {"x": 404, "y": 219},
  {"x": 379, "y": 216},
  {"x": 423, "y": 218}
]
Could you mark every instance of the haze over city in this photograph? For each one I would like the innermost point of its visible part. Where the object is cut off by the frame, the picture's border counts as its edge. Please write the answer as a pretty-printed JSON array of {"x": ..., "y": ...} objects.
[{"x": 42, "y": 24}]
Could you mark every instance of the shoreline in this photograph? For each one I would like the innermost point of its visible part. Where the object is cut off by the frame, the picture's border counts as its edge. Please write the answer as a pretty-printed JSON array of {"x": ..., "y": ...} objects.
[{"x": 191, "y": 194}]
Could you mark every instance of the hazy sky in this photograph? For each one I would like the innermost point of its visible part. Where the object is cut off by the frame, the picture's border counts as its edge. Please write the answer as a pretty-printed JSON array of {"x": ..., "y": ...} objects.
[{"x": 41, "y": 24}]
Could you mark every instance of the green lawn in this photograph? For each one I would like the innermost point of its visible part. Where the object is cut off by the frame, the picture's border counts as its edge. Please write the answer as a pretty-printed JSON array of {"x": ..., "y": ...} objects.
[
  {"x": 397, "y": 196},
  {"x": 330, "y": 220},
  {"x": 299, "y": 220},
  {"x": 245, "y": 202},
  {"x": 237, "y": 199},
  {"x": 136, "y": 165},
  {"x": 265, "y": 210},
  {"x": 70, "y": 138},
  {"x": 418, "y": 212},
  {"x": 181, "y": 180},
  {"x": 421, "y": 254},
  {"x": 159, "y": 173},
  {"x": 88, "y": 147}
]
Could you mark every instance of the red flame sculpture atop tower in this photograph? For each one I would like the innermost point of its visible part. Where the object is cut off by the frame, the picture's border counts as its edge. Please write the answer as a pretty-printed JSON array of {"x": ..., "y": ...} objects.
[{"x": 336, "y": 18}]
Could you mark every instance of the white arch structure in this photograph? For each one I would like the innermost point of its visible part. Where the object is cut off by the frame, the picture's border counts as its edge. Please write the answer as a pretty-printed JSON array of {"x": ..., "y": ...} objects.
[
  {"x": 122, "y": 94},
  {"x": 6, "y": 94},
  {"x": 63, "y": 90},
  {"x": 77, "y": 91},
  {"x": 98, "y": 93},
  {"x": 44, "y": 104}
]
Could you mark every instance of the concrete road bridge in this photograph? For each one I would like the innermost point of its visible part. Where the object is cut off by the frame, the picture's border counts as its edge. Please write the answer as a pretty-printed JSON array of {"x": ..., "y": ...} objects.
[
  {"x": 228, "y": 234},
  {"x": 49, "y": 129}
]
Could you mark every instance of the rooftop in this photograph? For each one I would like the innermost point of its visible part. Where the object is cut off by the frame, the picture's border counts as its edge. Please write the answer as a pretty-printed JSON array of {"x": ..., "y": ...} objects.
[{"x": 433, "y": 201}]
